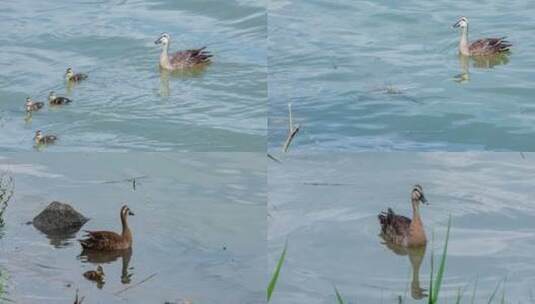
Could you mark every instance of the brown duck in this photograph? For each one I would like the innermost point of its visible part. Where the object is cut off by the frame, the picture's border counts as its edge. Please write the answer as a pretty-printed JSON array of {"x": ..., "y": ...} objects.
[
  {"x": 74, "y": 77},
  {"x": 96, "y": 276},
  {"x": 32, "y": 106},
  {"x": 182, "y": 59},
  {"x": 108, "y": 240},
  {"x": 401, "y": 230},
  {"x": 480, "y": 47}
]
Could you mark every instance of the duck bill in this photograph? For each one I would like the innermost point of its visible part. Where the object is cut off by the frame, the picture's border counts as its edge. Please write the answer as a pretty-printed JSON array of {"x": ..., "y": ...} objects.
[
  {"x": 456, "y": 24},
  {"x": 424, "y": 200},
  {"x": 130, "y": 212},
  {"x": 158, "y": 41}
]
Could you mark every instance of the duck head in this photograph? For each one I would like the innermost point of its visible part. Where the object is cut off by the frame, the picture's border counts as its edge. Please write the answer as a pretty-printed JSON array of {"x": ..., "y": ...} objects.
[
  {"x": 38, "y": 136},
  {"x": 417, "y": 194},
  {"x": 28, "y": 101},
  {"x": 462, "y": 23},
  {"x": 100, "y": 271},
  {"x": 163, "y": 40},
  {"x": 125, "y": 211},
  {"x": 51, "y": 96},
  {"x": 69, "y": 73}
]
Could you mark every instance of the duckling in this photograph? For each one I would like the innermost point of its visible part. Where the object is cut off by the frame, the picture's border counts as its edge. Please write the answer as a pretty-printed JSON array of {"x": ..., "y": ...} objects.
[
  {"x": 32, "y": 106},
  {"x": 41, "y": 139},
  {"x": 480, "y": 47},
  {"x": 71, "y": 76},
  {"x": 108, "y": 240},
  {"x": 95, "y": 275},
  {"x": 57, "y": 100},
  {"x": 182, "y": 59},
  {"x": 401, "y": 230}
]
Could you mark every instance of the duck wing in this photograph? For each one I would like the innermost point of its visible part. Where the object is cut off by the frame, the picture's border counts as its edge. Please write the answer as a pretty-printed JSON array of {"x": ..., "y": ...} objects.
[
  {"x": 489, "y": 46},
  {"x": 100, "y": 240},
  {"x": 191, "y": 57},
  {"x": 393, "y": 224}
]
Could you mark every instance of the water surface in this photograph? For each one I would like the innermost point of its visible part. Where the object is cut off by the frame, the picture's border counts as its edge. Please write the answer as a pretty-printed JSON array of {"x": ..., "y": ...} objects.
[
  {"x": 126, "y": 104},
  {"x": 385, "y": 75},
  {"x": 326, "y": 207},
  {"x": 199, "y": 227}
]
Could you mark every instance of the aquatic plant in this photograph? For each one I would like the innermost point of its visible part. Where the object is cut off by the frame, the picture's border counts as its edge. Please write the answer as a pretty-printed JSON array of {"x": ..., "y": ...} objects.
[
  {"x": 434, "y": 287},
  {"x": 275, "y": 276},
  {"x": 7, "y": 186}
]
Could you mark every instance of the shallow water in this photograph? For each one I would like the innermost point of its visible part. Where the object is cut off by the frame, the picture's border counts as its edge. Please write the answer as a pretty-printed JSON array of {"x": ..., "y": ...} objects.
[
  {"x": 126, "y": 104},
  {"x": 326, "y": 208},
  {"x": 381, "y": 75},
  {"x": 205, "y": 257}
]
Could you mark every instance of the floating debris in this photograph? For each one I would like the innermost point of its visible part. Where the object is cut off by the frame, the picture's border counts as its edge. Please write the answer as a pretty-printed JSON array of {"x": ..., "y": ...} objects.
[{"x": 292, "y": 130}]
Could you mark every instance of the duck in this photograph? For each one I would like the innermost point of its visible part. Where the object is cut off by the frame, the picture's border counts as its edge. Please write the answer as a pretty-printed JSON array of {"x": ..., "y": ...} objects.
[
  {"x": 95, "y": 275},
  {"x": 480, "y": 47},
  {"x": 182, "y": 59},
  {"x": 32, "y": 106},
  {"x": 71, "y": 76},
  {"x": 57, "y": 100},
  {"x": 108, "y": 240},
  {"x": 401, "y": 230},
  {"x": 41, "y": 139}
]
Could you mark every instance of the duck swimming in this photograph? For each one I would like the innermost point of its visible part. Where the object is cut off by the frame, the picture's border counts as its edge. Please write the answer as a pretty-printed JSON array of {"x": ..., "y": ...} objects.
[
  {"x": 41, "y": 139},
  {"x": 57, "y": 100},
  {"x": 71, "y": 76},
  {"x": 401, "y": 230},
  {"x": 96, "y": 276},
  {"x": 108, "y": 240},
  {"x": 480, "y": 47},
  {"x": 32, "y": 106},
  {"x": 182, "y": 59}
]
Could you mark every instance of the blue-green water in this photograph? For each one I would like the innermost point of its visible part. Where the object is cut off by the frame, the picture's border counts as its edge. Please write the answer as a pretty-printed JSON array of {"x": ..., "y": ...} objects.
[
  {"x": 126, "y": 104},
  {"x": 326, "y": 206},
  {"x": 199, "y": 226},
  {"x": 381, "y": 75}
]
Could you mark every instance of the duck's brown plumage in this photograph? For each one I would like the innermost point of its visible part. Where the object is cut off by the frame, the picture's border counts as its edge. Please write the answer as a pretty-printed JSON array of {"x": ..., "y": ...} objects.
[
  {"x": 394, "y": 225},
  {"x": 489, "y": 46},
  {"x": 108, "y": 240},
  {"x": 190, "y": 58}
]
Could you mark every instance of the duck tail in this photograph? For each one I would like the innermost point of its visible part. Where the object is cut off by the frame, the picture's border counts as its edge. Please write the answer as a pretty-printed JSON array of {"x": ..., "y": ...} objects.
[{"x": 385, "y": 219}]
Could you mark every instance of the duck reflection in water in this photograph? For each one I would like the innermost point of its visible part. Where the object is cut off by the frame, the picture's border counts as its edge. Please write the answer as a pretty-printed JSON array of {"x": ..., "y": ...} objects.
[
  {"x": 480, "y": 62},
  {"x": 416, "y": 256},
  {"x": 165, "y": 75},
  {"x": 106, "y": 257}
]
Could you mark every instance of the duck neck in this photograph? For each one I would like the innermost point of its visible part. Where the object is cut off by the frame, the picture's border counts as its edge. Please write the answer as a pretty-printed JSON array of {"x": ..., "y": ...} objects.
[
  {"x": 463, "y": 43},
  {"x": 127, "y": 234},
  {"x": 417, "y": 227},
  {"x": 164, "y": 56}
]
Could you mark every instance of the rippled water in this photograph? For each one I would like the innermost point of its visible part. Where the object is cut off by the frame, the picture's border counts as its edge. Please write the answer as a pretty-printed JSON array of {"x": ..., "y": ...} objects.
[
  {"x": 381, "y": 75},
  {"x": 326, "y": 208},
  {"x": 205, "y": 257},
  {"x": 126, "y": 104}
]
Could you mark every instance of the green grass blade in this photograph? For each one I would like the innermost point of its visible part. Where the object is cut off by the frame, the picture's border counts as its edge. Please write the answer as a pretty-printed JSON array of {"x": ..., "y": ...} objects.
[
  {"x": 494, "y": 293},
  {"x": 275, "y": 276},
  {"x": 430, "y": 299},
  {"x": 442, "y": 267},
  {"x": 474, "y": 291},
  {"x": 338, "y": 296}
]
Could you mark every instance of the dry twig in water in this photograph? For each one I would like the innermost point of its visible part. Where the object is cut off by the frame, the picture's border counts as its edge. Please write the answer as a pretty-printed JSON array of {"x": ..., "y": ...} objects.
[
  {"x": 292, "y": 130},
  {"x": 137, "y": 284}
]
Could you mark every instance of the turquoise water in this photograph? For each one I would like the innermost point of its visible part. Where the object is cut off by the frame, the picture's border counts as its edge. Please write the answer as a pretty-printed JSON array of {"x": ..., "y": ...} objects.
[
  {"x": 383, "y": 75},
  {"x": 197, "y": 256},
  {"x": 326, "y": 207},
  {"x": 126, "y": 104}
]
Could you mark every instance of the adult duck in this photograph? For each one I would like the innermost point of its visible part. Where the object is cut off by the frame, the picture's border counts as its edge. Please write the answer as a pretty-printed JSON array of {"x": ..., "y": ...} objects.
[
  {"x": 108, "y": 240},
  {"x": 480, "y": 47},
  {"x": 182, "y": 59},
  {"x": 401, "y": 230}
]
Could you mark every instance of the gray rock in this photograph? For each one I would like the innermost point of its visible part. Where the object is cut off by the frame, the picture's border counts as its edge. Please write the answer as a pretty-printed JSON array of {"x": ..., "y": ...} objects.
[{"x": 58, "y": 218}]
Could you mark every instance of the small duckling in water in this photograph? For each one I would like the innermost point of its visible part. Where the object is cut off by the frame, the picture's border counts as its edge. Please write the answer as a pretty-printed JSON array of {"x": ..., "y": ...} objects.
[
  {"x": 32, "y": 106},
  {"x": 71, "y": 76},
  {"x": 96, "y": 276},
  {"x": 57, "y": 100},
  {"x": 41, "y": 139}
]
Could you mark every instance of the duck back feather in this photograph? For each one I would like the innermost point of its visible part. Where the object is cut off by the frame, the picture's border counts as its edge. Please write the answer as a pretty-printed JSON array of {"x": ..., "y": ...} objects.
[
  {"x": 490, "y": 46},
  {"x": 394, "y": 228}
]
